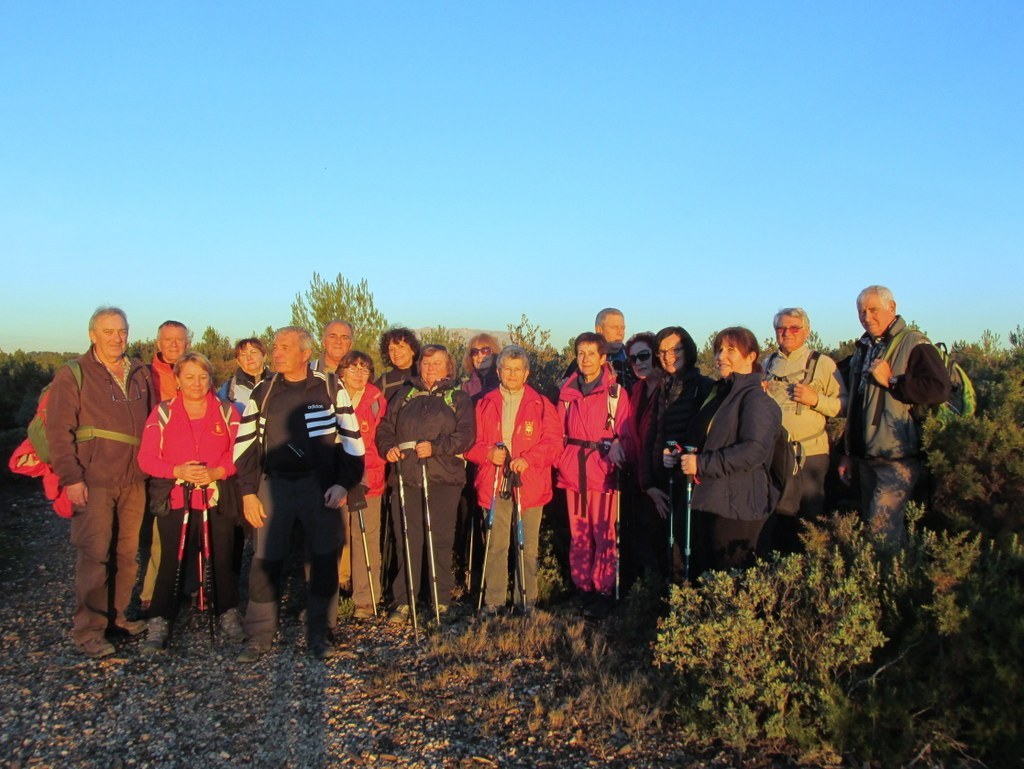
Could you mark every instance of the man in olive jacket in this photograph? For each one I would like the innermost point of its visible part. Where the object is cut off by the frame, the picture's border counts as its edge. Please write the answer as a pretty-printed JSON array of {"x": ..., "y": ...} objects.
[
  {"x": 97, "y": 407},
  {"x": 893, "y": 369}
]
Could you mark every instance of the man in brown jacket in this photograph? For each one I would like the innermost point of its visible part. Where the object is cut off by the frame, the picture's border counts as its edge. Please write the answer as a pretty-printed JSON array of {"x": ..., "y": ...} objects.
[{"x": 98, "y": 405}]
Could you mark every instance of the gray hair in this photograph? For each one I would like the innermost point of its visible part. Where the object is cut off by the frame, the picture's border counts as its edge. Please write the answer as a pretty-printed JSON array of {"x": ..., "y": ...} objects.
[
  {"x": 174, "y": 324},
  {"x": 305, "y": 339},
  {"x": 880, "y": 291},
  {"x": 603, "y": 316},
  {"x": 104, "y": 311},
  {"x": 795, "y": 312},
  {"x": 513, "y": 352},
  {"x": 330, "y": 323}
]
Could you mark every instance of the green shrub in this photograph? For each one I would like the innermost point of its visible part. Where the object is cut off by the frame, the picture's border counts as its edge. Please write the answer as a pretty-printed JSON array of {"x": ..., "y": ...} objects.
[
  {"x": 766, "y": 656},
  {"x": 842, "y": 651}
]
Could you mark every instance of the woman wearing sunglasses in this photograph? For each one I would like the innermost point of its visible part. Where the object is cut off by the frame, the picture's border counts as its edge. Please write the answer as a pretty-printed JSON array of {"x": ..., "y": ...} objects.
[
  {"x": 640, "y": 522},
  {"x": 478, "y": 365}
]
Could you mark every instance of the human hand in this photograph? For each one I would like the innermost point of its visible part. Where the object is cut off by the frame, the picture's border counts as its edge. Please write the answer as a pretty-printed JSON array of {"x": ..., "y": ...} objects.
[{"x": 252, "y": 509}]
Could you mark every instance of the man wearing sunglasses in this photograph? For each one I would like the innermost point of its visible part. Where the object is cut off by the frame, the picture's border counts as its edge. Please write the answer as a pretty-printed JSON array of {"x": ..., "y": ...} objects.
[
  {"x": 97, "y": 407},
  {"x": 809, "y": 390}
]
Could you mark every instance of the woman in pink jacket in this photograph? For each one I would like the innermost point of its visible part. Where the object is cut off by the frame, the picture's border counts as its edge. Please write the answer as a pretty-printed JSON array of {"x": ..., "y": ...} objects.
[
  {"x": 598, "y": 439},
  {"x": 188, "y": 440},
  {"x": 517, "y": 431}
]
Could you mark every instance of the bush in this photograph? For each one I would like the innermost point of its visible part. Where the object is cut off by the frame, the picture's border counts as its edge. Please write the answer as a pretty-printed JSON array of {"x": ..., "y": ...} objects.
[{"x": 841, "y": 651}]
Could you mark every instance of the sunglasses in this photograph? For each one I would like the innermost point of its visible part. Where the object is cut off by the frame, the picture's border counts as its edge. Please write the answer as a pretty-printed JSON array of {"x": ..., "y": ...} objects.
[
  {"x": 642, "y": 355},
  {"x": 788, "y": 329},
  {"x": 474, "y": 351}
]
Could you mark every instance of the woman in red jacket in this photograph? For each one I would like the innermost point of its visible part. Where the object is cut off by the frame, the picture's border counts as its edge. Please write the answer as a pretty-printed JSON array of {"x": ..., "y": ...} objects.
[
  {"x": 356, "y": 371},
  {"x": 517, "y": 431},
  {"x": 189, "y": 440}
]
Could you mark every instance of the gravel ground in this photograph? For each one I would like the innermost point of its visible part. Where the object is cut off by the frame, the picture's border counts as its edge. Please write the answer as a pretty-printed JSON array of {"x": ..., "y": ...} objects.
[{"x": 196, "y": 707}]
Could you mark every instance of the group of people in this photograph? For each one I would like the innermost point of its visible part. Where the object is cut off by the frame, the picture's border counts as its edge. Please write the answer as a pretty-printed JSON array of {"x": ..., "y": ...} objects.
[{"x": 400, "y": 481}]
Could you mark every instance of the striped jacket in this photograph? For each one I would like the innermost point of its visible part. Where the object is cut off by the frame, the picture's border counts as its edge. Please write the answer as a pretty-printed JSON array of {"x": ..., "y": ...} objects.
[{"x": 320, "y": 429}]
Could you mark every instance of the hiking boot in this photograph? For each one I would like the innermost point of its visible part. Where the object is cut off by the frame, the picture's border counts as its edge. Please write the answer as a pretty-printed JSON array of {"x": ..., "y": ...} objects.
[
  {"x": 399, "y": 615},
  {"x": 363, "y": 612},
  {"x": 252, "y": 652},
  {"x": 489, "y": 611},
  {"x": 599, "y": 607},
  {"x": 231, "y": 626},
  {"x": 95, "y": 648},
  {"x": 156, "y": 638},
  {"x": 320, "y": 649},
  {"x": 130, "y": 627}
]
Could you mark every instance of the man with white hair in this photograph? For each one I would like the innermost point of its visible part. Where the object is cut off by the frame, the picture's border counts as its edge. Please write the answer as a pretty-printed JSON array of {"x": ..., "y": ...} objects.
[
  {"x": 894, "y": 369},
  {"x": 808, "y": 389}
]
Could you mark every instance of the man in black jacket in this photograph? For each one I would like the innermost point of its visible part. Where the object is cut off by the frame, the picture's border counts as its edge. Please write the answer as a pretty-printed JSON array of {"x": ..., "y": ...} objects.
[{"x": 298, "y": 452}]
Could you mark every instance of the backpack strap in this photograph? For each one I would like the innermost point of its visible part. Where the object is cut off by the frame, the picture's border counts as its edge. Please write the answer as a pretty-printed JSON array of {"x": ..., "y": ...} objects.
[{"x": 613, "y": 406}]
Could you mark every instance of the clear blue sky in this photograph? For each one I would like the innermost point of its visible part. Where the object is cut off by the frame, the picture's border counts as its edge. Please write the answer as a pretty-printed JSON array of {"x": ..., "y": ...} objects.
[{"x": 700, "y": 163}]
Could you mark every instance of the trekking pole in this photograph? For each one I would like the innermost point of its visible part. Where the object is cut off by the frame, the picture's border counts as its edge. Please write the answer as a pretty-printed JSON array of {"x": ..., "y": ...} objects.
[
  {"x": 673, "y": 447},
  {"x": 689, "y": 516},
  {"x": 618, "y": 512},
  {"x": 207, "y": 584},
  {"x": 410, "y": 587},
  {"x": 517, "y": 482},
  {"x": 470, "y": 511},
  {"x": 488, "y": 526},
  {"x": 431, "y": 563},
  {"x": 366, "y": 560}
]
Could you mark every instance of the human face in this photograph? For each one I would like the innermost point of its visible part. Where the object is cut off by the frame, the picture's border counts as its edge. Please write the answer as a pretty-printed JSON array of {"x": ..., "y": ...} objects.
[
  {"x": 613, "y": 330},
  {"x": 171, "y": 343},
  {"x": 482, "y": 355},
  {"x": 433, "y": 368},
  {"x": 193, "y": 381},
  {"x": 355, "y": 377},
  {"x": 641, "y": 359},
  {"x": 730, "y": 359},
  {"x": 791, "y": 333},
  {"x": 401, "y": 354},
  {"x": 251, "y": 360},
  {"x": 876, "y": 315},
  {"x": 513, "y": 374},
  {"x": 290, "y": 360},
  {"x": 337, "y": 342},
  {"x": 671, "y": 354},
  {"x": 109, "y": 337},
  {"x": 589, "y": 360}
]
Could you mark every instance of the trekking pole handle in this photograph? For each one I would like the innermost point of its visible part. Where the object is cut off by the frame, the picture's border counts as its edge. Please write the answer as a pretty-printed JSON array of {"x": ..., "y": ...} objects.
[{"x": 690, "y": 450}]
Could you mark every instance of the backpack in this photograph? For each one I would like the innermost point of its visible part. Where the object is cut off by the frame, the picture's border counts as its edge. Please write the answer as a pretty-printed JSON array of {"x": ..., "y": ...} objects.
[
  {"x": 32, "y": 457},
  {"x": 787, "y": 458},
  {"x": 37, "y": 427},
  {"x": 963, "y": 400}
]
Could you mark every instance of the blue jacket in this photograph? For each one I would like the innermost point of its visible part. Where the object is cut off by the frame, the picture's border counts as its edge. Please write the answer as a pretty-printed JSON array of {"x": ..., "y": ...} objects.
[{"x": 733, "y": 467}]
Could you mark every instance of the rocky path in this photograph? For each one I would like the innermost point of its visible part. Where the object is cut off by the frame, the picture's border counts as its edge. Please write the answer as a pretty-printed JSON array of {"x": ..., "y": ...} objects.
[{"x": 195, "y": 707}]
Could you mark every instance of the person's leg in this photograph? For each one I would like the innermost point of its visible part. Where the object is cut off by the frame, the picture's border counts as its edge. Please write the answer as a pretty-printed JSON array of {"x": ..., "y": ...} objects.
[
  {"x": 734, "y": 542},
  {"x": 128, "y": 509},
  {"x": 270, "y": 547},
  {"x": 322, "y": 528},
  {"x": 496, "y": 578},
  {"x": 363, "y": 576},
  {"x": 91, "y": 532},
  {"x": 603, "y": 514},
  {"x": 581, "y": 548},
  {"x": 168, "y": 529},
  {"x": 531, "y": 537},
  {"x": 894, "y": 485},
  {"x": 225, "y": 573},
  {"x": 444, "y": 504}
]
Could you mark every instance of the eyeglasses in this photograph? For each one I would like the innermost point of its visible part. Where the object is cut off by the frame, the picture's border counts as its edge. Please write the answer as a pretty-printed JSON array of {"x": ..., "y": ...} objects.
[
  {"x": 358, "y": 368},
  {"x": 117, "y": 395},
  {"x": 642, "y": 355},
  {"x": 675, "y": 352},
  {"x": 788, "y": 329},
  {"x": 474, "y": 351}
]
